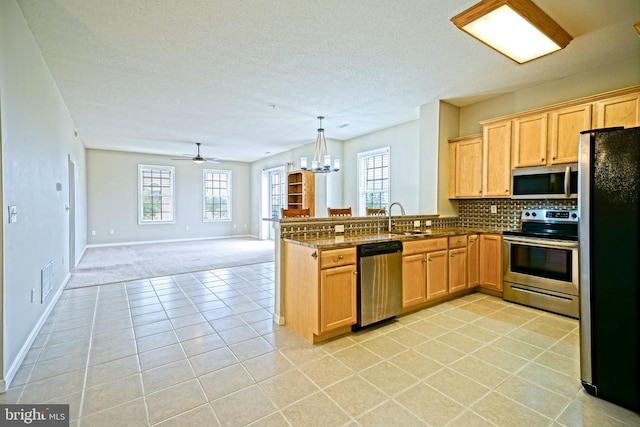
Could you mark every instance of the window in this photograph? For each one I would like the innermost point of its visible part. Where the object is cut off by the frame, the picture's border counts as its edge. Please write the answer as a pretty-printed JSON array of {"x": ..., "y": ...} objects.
[
  {"x": 217, "y": 195},
  {"x": 373, "y": 180},
  {"x": 155, "y": 194}
]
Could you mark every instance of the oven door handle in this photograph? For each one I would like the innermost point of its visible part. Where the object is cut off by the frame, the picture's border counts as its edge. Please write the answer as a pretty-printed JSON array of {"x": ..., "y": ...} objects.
[{"x": 543, "y": 243}]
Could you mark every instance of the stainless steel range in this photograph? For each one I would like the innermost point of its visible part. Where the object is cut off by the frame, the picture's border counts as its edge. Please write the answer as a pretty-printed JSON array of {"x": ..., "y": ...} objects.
[{"x": 541, "y": 261}]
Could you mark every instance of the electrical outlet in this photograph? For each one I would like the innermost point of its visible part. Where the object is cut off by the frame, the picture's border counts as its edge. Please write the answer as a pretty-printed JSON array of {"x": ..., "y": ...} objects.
[
  {"x": 494, "y": 209},
  {"x": 416, "y": 223},
  {"x": 339, "y": 228},
  {"x": 93, "y": 232},
  {"x": 112, "y": 231},
  {"x": 427, "y": 223}
]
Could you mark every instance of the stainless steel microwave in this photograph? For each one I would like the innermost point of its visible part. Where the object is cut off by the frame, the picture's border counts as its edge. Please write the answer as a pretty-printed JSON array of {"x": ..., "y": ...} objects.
[{"x": 545, "y": 182}]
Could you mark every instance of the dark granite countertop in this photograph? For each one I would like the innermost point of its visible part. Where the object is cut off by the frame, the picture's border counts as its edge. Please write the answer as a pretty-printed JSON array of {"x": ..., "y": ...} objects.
[{"x": 332, "y": 241}]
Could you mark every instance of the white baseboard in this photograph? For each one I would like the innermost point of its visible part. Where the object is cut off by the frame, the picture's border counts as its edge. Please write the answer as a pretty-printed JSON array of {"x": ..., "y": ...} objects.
[
  {"x": 17, "y": 362},
  {"x": 148, "y": 242},
  {"x": 278, "y": 320}
]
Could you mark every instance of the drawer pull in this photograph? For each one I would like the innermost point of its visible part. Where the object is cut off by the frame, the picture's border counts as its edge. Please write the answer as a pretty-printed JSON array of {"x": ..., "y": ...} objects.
[
  {"x": 314, "y": 255},
  {"x": 430, "y": 259},
  {"x": 340, "y": 256}
]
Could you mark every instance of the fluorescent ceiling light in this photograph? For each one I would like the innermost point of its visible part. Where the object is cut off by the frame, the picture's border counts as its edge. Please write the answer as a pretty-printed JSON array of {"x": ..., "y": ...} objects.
[{"x": 518, "y": 29}]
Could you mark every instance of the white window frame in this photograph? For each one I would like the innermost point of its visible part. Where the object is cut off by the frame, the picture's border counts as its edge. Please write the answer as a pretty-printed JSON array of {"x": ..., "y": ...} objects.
[
  {"x": 172, "y": 172},
  {"x": 204, "y": 194},
  {"x": 362, "y": 157}
]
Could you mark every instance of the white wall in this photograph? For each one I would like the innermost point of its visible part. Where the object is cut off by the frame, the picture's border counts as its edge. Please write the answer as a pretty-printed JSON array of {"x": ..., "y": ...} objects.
[
  {"x": 403, "y": 141},
  {"x": 590, "y": 82},
  {"x": 37, "y": 140},
  {"x": 328, "y": 187},
  {"x": 113, "y": 199}
]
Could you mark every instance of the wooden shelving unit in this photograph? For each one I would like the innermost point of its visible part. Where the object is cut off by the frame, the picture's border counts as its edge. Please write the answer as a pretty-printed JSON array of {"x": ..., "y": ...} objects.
[{"x": 301, "y": 190}]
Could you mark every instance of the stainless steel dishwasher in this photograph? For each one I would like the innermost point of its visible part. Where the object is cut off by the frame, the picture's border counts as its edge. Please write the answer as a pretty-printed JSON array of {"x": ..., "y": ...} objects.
[{"x": 379, "y": 282}]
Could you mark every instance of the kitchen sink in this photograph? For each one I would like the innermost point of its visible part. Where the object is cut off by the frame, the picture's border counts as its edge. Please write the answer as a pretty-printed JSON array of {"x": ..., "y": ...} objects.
[{"x": 412, "y": 233}]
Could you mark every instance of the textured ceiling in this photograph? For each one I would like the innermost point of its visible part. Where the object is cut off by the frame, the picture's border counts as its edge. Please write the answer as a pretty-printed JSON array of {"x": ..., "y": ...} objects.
[{"x": 248, "y": 77}]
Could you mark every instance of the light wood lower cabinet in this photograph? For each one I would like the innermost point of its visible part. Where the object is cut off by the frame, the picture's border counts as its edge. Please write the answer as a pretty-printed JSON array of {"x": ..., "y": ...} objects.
[
  {"x": 337, "y": 297},
  {"x": 491, "y": 261},
  {"x": 457, "y": 263},
  {"x": 473, "y": 260},
  {"x": 319, "y": 290},
  {"x": 437, "y": 266},
  {"x": 424, "y": 271},
  {"x": 414, "y": 288},
  {"x": 457, "y": 269}
]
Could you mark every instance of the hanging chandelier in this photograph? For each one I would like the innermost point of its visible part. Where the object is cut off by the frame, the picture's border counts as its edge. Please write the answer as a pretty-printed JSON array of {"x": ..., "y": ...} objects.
[{"x": 321, "y": 162}]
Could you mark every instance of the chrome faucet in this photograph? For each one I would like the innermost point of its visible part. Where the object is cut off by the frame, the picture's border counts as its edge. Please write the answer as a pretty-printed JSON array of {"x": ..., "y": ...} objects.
[{"x": 401, "y": 211}]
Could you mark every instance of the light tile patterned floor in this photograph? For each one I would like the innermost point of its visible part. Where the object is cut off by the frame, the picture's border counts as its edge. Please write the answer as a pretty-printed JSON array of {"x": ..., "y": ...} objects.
[{"x": 200, "y": 349}]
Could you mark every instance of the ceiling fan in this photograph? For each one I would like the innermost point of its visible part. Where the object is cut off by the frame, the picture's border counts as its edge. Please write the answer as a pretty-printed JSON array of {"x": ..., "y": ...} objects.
[{"x": 198, "y": 158}]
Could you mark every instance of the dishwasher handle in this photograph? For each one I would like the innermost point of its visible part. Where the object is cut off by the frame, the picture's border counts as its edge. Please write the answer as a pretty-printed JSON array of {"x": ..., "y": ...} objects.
[{"x": 380, "y": 248}]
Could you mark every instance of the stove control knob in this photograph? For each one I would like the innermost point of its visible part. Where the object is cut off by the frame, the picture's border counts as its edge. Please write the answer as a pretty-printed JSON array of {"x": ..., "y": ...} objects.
[
  {"x": 534, "y": 214},
  {"x": 527, "y": 214},
  {"x": 574, "y": 215}
]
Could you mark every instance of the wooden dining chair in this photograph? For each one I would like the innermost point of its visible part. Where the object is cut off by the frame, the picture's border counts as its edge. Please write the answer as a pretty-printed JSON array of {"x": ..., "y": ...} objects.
[
  {"x": 339, "y": 211},
  {"x": 295, "y": 213},
  {"x": 376, "y": 212}
]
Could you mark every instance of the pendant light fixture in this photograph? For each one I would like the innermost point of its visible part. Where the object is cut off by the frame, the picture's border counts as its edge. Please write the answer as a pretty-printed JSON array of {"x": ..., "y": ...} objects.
[
  {"x": 518, "y": 29},
  {"x": 321, "y": 162}
]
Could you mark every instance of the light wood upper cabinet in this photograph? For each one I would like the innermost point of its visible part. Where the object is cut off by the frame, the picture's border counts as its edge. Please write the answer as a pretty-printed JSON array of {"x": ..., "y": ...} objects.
[
  {"x": 565, "y": 126},
  {"x": 496, "y": 159},
  {"x": 618, "y": 111},
  {"x": 530, "y": 141},
  {"x": 465, "y": 167}
]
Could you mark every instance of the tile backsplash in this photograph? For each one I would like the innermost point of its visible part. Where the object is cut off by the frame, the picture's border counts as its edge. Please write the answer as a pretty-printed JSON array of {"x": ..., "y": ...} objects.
[{"x": 477, "y": 213}]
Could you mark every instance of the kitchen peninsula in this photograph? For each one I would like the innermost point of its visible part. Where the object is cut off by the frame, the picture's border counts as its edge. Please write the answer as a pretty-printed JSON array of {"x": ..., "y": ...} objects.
[{"x": 318, "y": 267}]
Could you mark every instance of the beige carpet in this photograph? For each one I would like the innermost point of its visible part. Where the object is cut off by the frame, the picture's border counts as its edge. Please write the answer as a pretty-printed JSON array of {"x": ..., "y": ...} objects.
[{"x": 111, "y": 264}]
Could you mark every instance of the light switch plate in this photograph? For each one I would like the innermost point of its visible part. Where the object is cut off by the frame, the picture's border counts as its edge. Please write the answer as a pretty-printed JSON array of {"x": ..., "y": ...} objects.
[{"x": 13, "y": 214}]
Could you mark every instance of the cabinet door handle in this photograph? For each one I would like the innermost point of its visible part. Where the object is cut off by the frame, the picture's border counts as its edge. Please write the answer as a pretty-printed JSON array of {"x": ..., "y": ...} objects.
[
  {"x": 430, "y": 259},
  {"x": 355, "y": 272},
  {"x": 542, "y": 159},
  {"x": 506, "y": 191},
  {"x": 314, "y": 255},
  {"x": 453, "y": 255}
]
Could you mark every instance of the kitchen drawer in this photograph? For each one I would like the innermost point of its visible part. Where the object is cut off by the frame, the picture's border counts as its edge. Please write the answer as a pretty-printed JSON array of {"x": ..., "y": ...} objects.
[
  {"x": 337, "y": 257},
  {"x": 457, "y": 241},
  {"x": 424, "y": 245}
]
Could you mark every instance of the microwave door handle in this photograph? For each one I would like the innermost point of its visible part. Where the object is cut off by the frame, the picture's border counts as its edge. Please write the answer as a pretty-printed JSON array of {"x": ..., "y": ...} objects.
[{"x": 567, "y": 178}]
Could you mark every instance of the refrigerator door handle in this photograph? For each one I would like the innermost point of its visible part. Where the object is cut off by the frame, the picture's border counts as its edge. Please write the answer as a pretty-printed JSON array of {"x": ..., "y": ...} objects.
[{"x": 567, "y": 179}]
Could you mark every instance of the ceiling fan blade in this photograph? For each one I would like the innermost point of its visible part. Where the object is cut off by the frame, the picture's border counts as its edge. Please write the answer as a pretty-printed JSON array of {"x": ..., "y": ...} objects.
[{"x": 212, "y": 160}]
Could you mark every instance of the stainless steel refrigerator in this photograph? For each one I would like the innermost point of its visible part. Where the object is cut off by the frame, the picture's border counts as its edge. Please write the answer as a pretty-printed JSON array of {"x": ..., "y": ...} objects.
[{"x": 609, "y": 200}]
